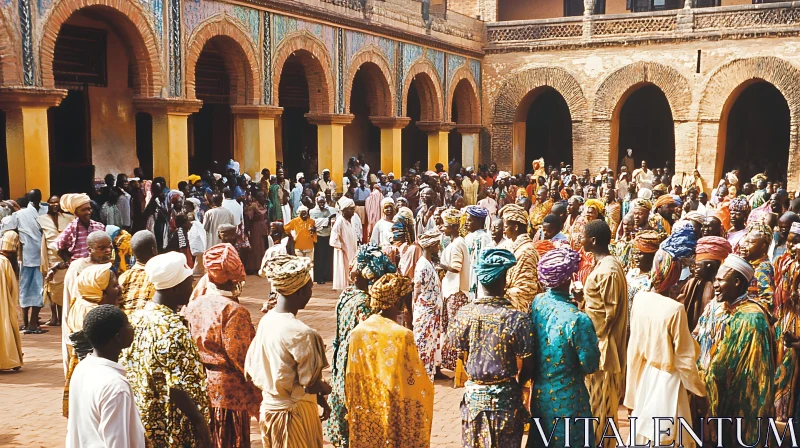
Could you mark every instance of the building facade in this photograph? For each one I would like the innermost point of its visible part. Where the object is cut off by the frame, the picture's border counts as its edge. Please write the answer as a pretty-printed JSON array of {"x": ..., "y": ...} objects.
[{"x": 90, "y": 87}]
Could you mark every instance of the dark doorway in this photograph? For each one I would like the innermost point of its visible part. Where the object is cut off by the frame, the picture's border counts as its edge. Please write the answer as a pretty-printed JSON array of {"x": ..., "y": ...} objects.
[
  {"x": 548, "y": 130},
  {"x": 646, "y": 126},
  {"x": 757, "y": 133},
  {"x": 299, "y": 137},
  {"x": 415, "y": 141},
  {"x": 361, "y": 136},
  {"x": 69, "y": 132},
  {"x": 212, "y": 125},
  {"x": 144, "y": 143}
]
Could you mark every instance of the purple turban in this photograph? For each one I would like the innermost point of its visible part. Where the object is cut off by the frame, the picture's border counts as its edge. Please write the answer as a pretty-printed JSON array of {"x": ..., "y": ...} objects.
[
  {"x": 557, "y": 266},
  {"x": 739, "y": 204}
]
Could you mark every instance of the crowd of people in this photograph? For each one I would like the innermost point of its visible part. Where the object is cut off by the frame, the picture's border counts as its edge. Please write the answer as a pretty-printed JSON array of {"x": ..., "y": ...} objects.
[{"x": 545, "y": 296}]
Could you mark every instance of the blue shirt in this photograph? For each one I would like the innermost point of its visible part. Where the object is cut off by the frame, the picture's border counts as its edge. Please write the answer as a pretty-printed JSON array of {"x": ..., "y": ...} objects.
[{"x": 295, "y": 196}]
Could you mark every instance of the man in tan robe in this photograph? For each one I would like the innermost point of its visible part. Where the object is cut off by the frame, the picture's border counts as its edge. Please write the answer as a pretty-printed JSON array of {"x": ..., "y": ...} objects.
[
  {"x": 605, "y": 301},
  {"x": 522, "y": 281},
  {"x": 10, "y": 341},
  {"x": 53, "y": 223}
]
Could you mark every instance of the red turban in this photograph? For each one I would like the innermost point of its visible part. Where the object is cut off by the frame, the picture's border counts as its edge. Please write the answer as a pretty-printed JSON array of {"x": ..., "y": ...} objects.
[
  {"x": 712, "y": 248},
  {"x": 543, "y": 246},
  {"x": 223, "y": 264}
]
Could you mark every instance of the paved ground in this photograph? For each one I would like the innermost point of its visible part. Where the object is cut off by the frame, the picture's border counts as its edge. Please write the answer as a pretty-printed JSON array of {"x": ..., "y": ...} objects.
[{"x": 31, "y": 398}]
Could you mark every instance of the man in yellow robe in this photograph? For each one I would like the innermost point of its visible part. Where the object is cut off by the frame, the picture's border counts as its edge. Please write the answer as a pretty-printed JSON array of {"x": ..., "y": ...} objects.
[
  {"x": 389, "y": 396},
  {"x": 10, "y": 342}
]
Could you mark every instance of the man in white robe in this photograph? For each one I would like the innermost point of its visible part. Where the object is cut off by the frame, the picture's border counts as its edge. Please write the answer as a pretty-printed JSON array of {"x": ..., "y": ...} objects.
[{"x": 344, "y": 241}]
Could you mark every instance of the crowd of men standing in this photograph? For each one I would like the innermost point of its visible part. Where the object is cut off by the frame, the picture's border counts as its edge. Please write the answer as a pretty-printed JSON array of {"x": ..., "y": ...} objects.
[{"x": 545, "y": 296}]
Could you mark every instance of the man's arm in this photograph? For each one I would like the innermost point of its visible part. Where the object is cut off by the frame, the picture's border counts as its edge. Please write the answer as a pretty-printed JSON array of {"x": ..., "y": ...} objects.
[{"x": 185, "y": 403}]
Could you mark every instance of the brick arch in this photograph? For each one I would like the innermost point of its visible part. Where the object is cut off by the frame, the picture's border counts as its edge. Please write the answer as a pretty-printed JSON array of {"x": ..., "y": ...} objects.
[
  {"x": 616, "y": 86},
  {"x": 381, "y": 86},
  {"x": 239, "y": 55},
  {"x": 10, "y": 67},
  {"x": 130, "y": 19},
  {"x": 463, "y": 90},
  {"x": 726, "y": 82},
  {"x": 725, "y": 85},
  {"x": 318, "y": 67},
  {"x": 429, "y": 88},
  {"x": 513, "y": 92}
]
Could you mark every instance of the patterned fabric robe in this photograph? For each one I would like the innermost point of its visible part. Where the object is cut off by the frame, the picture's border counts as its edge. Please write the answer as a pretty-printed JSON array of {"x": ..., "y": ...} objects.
[{"x": 522, "y": 280}]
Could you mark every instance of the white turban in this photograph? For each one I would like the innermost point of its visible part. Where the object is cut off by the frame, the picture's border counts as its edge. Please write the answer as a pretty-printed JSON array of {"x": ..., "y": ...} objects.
[
  {"x": 645, "y": 193},
  {"x": 387, "y": 201},
  {"x": 299, "y": 176},
  {"x": 739, "y": 265},
  {"x": 167, "y": 270},
  {"x": 217, "y": 176},
  {"x": 346, "y": 202},
  {"x": 302, "y": 208}
]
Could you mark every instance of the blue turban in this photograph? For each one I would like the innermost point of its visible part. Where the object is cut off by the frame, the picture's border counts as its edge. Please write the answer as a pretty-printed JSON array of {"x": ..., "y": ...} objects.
[
  {"x": 678, "y": 200},
  {"x": 372, "y": 263},
  {"x": 477, "y": 211},
  {"x": 492, "y": 264},
  {"x": 681, "y": 242}
]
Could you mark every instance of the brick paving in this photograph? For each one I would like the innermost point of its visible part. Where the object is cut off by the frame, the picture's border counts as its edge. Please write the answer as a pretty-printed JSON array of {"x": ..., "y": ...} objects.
[{"x": 31, "y": 398}]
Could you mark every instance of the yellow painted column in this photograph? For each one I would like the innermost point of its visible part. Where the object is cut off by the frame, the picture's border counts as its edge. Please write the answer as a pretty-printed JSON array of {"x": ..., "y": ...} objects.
[
  {"x": 27, "y": 139},
  {"x": 391, "y": 142},
  {"x": 437, "y": 142},
  {"x": 170, "y": 136},
  {"x": 330, "y": 143},
  {"x": 257, "y": 137}
]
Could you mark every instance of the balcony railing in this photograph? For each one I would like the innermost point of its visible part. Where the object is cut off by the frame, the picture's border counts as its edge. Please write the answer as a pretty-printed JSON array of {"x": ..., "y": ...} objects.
[{"x": 684, "y": 23}]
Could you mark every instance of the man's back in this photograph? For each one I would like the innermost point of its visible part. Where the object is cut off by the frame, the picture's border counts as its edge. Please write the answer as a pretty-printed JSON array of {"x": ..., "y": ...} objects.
[{"x": 102, "y": 411}]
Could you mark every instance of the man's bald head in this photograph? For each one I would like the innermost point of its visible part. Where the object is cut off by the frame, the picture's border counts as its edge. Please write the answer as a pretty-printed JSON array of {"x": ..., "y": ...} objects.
[
  {"x": 99, "y": 246},
  {"x": 144, "y": 246}
]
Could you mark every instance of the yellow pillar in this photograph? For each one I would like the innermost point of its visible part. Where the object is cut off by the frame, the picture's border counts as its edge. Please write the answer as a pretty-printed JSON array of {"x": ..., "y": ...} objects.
[
  {"x": 170, "y": 136},
  {"x": 255, "y": 137},
  {"x": 437, "y": 142},
  {"x": 27, "y": 141},
  {"x": 391, "y": 142},
  {"x": 330, "y": 143}
]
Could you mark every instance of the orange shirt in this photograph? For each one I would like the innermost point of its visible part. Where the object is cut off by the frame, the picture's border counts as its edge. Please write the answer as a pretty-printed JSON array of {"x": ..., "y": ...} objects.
[{"x": 301, "y": 231}]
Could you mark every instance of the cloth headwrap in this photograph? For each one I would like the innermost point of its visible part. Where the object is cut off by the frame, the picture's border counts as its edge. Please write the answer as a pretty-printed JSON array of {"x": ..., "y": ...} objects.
[
  {"x": 226, "y": 228},
  {"x": 346, "y": 202},
  {"x": 578, "y": 198},
  {"x": 503, "y": 175},
  {"x": 757, "y": 178},
  {"x": 388, "y": 290},
  {"x": 9, "y": 241},
  {"x": 759, "y": 227},
  {"x": 299, "y": 176},
  {"x": 739, "y": 204},
  {"x": 712, "y": 248},
  {"x": 645, "y": 193},
  {"x": 430, "y": 238},
  {"x": 647, "y": 241},
  {"x": 664, "y": 200},
  {"x": 167, "y": 270},
  {"x": 596, "y": 204},
  {"x": 681, "y": 242},
  {"x": 477, "y": 211},
  {"x": 193, "y": 178},
  {"x": 739, "y": 265},
  {"x": 795, "y": 228},
  {"x": 678, "y": 200},
  {"x": 302, "y": 208},
  {"x": 695, "y": 217},
  {"x": 557, "y": 266},
  {"x": 515, "y": 213},
  {"x": 731, "y": 178},
  {"x": 661, "y": 188},
  {"x": 385, "y": 201},
  {"x": 326, "y": 171},
  {"x": 223, "y": 264},
  {"x": 217, "y": 176},
  {"x": 451, "y": 216},
  {"x": 71, "y": 202},
  {"x": 122, "y": 244},
  {"x": 112, "y": 231},
  {"x": 641, "y": 203},
  {"x": 92, "y": 281},
  {"x": 194, "y": 201},
  {"x": 543, "y": 246},
  {"x": 372, "y": 263},
  {"x": 665, "y": 273},
  {"x": 492, "y": 264},
  {"x": 288, "y": 273}
]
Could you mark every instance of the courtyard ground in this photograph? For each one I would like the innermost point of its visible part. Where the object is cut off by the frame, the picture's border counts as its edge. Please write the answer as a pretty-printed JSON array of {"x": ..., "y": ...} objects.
[{"x": 31, "y": 398}]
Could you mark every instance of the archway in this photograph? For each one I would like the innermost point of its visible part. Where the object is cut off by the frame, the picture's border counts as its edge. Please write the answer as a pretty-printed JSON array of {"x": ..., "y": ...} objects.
[
  {"x": 298, "y": 136},
  {"x": 369, "y": 96},
  {"x": 754, "y": 132},
  {"x": 100, "y": 57},
  {"x": 464, "y": 110},
  {"x": 422, "y": 106},
  {"x": 544, "y": 123},
  {"x": 643, "y": 122}
]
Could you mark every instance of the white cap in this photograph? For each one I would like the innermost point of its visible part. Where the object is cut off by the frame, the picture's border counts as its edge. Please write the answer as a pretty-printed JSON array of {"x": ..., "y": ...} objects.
[{"x": 167, "y": 270}]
